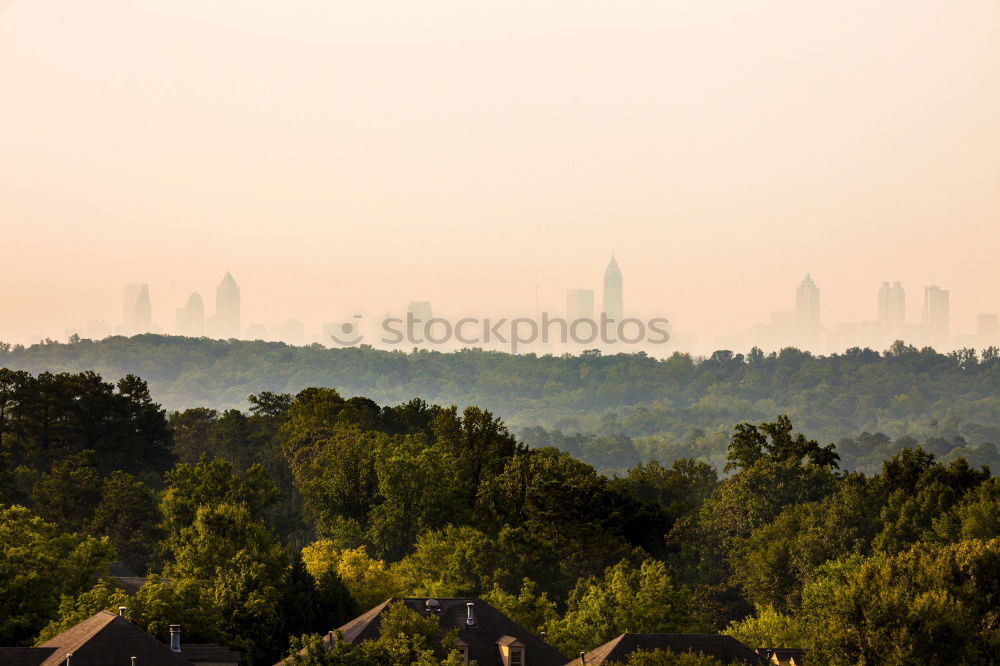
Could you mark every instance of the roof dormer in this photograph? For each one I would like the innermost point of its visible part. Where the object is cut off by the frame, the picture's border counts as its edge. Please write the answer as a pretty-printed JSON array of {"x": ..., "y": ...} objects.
[{"x": 511, "y": 651}]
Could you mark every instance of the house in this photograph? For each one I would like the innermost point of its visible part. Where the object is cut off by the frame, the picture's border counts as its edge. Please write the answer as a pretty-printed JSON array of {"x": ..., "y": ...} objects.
[
  {"x": 485, "y": 635},
  {"x": 783, "y": 656},
  {"x": 107, "y": 639},
  {"x": 726, "y": 649}
]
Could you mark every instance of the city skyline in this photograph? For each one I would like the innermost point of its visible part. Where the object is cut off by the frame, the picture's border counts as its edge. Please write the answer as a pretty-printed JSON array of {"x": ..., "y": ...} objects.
[
  {"x": 120, "y": 165},
  {"x": 803, "y": 326}
]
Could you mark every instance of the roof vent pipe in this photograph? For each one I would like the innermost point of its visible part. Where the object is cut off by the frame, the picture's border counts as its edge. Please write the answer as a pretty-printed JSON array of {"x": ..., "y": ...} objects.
[
  {"x": 135, "y": 661},
  {"x": 121, "y": 611},
  {"x": 583, "y": 657},
  {"x": 470, "y": 614},
  {"x": 175, "y": 638}
]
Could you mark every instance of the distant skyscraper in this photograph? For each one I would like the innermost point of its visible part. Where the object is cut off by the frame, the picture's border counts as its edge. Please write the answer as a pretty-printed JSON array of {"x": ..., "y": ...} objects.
[
  {"x": 891, "y": 307},
  {"x": 421, "y": 310},
  {"x": 226, "y": 323},
  {"x": 579, "y": 304},
  {"x": 988, "y": 329},
  {"x": 614, "y": 304},
  {"x": 137, "y": 312},
  {"x": 936, "y": 314},
  {"x": 807, "y": 303},
  {"x": 191, "y": 317},
  {"x": 807, "y": 312}
]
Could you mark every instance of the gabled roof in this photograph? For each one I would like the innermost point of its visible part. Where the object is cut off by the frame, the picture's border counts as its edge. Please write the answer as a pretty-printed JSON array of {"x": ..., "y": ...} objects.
[
  {"x": 104, "y": 639},
  {"x": 482, "y": 639},
  {"x": 24, "y": 656},
  {"x": 726, "y": 649}
]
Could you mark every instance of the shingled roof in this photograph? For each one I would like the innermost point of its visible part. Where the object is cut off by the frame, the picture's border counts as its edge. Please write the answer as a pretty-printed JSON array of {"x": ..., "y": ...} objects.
[
  {"x": 726, "y": 649},
  {"x": 482, "y": 640},
  {"x": 105, "y": 639}
]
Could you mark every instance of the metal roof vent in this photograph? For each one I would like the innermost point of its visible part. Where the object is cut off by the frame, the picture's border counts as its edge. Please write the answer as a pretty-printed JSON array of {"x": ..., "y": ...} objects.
[
  {"x": 175, "y": 638},
  {"x": 432, "y": 606}
]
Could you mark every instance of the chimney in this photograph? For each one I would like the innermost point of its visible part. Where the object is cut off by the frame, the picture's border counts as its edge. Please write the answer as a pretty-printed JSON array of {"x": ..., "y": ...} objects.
[
  {"x": 175, "y": 638},
  {"x": 470, "y": 614},
  {"x": 121, "y": 611}
]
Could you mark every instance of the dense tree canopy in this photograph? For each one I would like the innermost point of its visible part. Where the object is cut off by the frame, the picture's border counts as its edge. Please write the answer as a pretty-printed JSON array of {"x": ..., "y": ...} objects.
[
  {"x": 290, "y": 518},
  {"x": 609, "y": 410}
]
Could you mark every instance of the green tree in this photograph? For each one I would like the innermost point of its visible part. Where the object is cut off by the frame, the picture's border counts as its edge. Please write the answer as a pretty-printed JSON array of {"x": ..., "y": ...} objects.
[
  {"x": 70, "y": 492},
  {"x": 977, "y": 516},
  {"x": 129, "y": 516},
  {"x": 529, "y": 607},
  {"x": 929, "y": 605},
  {"x": 776, "y": 560},
  {"x": 191, "y": 429},
  {"x": 774, "y": 441},
  {"x": 451, "y": 562},
  {"x": 39, "y": 564},
  {"x": 212, "y": 481},
  {"x": 369, "y": 580},
  {"x": 232, "y": 562},
  {"x": 419, "y": 489},
  {"x": 644, "y": 599},
  {"x": 769, "y": 628}
]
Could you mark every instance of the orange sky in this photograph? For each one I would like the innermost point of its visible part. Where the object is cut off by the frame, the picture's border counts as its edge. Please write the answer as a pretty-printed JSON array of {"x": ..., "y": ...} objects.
[{"x": 343, "y": 157}]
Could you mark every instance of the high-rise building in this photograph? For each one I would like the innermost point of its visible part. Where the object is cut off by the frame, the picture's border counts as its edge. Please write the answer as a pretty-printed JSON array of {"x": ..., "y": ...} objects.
[
  {"x": 226, "y": 323},
  {"x": 421, "y": 310},
  {"x": 614, "y": 304},
  {"x": 579, "y": 304},
  {"x": 137, "y": 311},
  {"x": 988, "y": 329},
  {"x": 891, "y": 307},
  {"x": 807, "y": 312},
  {"x": 191, "y": 318},
  {"x": 936, "y": 314}
]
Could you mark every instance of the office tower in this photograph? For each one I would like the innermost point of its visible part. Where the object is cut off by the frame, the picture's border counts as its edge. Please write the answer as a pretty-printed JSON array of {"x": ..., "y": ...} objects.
[
  {"x": 988, "y": 329},
  {"x": 614, "y": 305},
  {"x": 579, "y": 304},
  {"x": 936, "y": 315},
  {"x": 807, "y": 304},
  {"x": 226, "y": 322},
  {"x": 891, "y": 307},
  {"x": 421, "y": 310},
  {"x": 137, "y": 314},
  {"x": 191, "y": 318},
  {"x": 292, "y": 332},
  {"x": 807, "y": 313}
]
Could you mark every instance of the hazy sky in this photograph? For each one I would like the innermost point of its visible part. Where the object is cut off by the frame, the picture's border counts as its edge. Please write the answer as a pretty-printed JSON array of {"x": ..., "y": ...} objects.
[{"x": 343, "y": 157}]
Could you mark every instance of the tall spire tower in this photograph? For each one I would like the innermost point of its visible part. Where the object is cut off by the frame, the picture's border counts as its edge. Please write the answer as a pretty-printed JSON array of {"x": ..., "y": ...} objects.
[
  {"x": 227, "y": 308},
  {"x": 613, "y": 305}
]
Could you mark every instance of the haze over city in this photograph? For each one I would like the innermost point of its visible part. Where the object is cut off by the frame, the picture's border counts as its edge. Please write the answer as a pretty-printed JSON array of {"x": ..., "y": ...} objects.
[{"x": 345, "y": 158}]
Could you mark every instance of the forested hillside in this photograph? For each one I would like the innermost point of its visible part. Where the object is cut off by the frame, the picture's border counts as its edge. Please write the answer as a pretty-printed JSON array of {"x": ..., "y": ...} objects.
[
  {"x": 612, "y": 411},
  {"x": 260, "y": 529}
]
